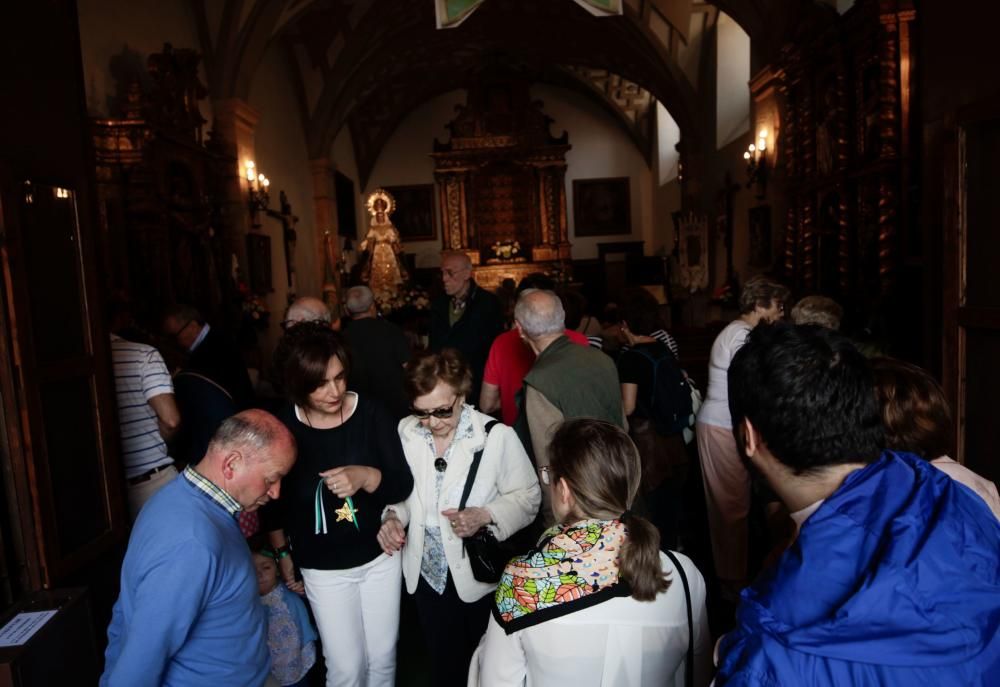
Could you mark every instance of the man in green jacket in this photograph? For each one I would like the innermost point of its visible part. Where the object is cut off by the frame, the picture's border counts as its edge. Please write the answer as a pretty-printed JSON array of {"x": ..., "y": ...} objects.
[{"x": 566, "y": 381}]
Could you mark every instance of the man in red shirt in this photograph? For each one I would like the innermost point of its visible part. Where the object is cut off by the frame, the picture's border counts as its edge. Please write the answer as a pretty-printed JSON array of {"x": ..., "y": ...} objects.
[{"x": 510, "y": 359}]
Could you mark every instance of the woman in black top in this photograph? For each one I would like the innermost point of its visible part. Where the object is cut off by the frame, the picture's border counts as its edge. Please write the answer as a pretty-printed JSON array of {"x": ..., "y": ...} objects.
[{"x": 350, "y": 466}]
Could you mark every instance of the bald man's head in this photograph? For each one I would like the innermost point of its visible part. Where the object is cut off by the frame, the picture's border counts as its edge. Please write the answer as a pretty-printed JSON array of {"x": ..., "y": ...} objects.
[
  {"x": 249, "y": 454},
  {"x": 539, "y": 313},
  {"x": 307, "y": 309}
]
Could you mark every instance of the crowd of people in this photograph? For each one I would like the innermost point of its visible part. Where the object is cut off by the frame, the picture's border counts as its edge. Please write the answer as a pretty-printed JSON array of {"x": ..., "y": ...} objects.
[{"x": 525, "y": 489}]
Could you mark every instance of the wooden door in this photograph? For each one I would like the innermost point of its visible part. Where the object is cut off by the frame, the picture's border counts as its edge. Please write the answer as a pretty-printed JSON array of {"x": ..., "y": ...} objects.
[{"x": 972, "y": 298}]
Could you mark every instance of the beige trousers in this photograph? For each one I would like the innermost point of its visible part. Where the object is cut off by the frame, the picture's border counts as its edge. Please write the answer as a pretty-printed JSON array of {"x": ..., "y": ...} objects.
[{"x": 727, "y": 497}]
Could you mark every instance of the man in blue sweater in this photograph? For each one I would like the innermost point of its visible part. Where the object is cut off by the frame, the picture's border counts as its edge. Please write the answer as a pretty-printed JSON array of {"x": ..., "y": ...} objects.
[
  {"x": 189, "y": 613},
  {"x": 894, "y": 577}
]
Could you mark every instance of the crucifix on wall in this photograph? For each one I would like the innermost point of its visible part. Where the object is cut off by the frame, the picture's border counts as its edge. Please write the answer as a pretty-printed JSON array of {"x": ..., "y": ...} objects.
[{"x": 288, "y": 221}]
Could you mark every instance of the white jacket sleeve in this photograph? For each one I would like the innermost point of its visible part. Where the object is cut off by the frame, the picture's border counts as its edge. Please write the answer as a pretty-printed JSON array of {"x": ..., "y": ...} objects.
[{"x": 517, "y": 484}]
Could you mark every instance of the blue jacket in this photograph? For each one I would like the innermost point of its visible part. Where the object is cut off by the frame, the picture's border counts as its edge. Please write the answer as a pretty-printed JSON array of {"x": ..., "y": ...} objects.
[{"x": 895, "y": 580}]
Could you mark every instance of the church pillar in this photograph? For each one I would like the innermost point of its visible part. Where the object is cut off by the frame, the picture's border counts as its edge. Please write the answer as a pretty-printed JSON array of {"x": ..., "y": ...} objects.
[
  {"x": 553, "y": 243},
  {"x": 327, "y": 246},
  {"x": 454, "y": 212},
  {"x": 234, "y": 126}
]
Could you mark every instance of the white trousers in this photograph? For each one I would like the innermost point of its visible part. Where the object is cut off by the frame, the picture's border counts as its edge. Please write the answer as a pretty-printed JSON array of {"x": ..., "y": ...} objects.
[{"x": 357, "y": 615}]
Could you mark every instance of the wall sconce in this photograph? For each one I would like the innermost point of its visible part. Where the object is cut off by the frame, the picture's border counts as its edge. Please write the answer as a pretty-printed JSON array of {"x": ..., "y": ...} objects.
[
  {"x": 756, "y": 159},
  {"x": 258, "y": 185}
]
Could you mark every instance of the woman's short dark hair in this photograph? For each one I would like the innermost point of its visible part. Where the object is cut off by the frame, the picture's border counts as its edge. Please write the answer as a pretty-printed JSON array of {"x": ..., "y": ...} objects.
[
  {"x": 304, "y": 353},
  {"x": 640, "y": 311},
  {"x": 760, "y": 292},
  {"x": 575, "y": 306},
  {"x": 601, "y": 466},
  {"x": 424, "y": 372},
  {"x": 915, "y": 412}
]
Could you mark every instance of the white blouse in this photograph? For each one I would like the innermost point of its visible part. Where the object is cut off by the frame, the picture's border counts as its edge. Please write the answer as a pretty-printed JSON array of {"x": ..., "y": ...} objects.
[{"x": 618, "y": 643}]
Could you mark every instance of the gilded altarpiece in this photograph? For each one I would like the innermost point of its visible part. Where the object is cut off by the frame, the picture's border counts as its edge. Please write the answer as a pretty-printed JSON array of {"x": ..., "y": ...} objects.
[
  {"x": 500, "y": 180},
  {"x": 845, "y": 166}
]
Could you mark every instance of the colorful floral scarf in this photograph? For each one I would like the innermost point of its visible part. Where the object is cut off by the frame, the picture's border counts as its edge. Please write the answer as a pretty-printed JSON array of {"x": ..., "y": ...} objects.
[{"x": 572, "y": 568}]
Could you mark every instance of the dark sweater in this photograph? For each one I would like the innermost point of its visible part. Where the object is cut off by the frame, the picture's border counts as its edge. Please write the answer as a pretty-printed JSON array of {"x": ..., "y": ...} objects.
[{"x": 368, "y": 438}]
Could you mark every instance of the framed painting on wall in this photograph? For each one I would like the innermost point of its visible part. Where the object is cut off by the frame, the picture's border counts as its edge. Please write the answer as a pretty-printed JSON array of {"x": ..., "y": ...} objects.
[
  {"x": 760, "y": 236},
  {"x": 347, "y": 219},
  {"x": 259, "y": 263},
  {"x": 602, "y": 207},
  {"x": 414, "y": 215}
]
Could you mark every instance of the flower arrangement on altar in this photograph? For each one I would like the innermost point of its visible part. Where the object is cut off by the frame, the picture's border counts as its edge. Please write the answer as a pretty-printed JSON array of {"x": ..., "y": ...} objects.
[
  {"x": 255, "y": 310},
  {"x": 409, "y": 295},
  {"x": 506, "y": 250},
  {"x": 727, "y": 294}
]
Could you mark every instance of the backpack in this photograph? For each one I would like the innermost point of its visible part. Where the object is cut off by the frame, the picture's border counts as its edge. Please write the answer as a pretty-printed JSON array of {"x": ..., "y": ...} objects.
[{"x": 669, "y": 406}]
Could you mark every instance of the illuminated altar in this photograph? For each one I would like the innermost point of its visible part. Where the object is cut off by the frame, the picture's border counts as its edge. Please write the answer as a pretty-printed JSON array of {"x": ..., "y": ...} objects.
[{"x": 501, "y": 184}]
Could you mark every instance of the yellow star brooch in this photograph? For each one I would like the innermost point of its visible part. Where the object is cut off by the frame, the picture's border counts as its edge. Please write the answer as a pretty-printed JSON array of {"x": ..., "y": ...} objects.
[{"x": 347, "y": 512}]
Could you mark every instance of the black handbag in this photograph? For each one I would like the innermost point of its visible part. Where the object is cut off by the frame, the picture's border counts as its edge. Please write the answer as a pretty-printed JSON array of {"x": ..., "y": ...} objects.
[{"x": 487, "y": 557}]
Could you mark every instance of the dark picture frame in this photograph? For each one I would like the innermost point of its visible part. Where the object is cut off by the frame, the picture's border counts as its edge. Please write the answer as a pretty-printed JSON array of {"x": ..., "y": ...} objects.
[
  {"x": 759, "y": 227},
  {"x": 347, "y": 217},
  {"x": 259, "y": 263},
  {"x": 414, "y": 217},
  {"x": 602, "y": 207}
]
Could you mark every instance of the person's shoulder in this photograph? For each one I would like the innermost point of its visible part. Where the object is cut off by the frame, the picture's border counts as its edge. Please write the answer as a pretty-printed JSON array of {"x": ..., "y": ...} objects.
[{"x": 577, "y": 337}]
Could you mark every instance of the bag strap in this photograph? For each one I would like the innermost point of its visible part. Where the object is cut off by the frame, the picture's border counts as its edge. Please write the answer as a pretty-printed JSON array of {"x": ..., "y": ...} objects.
[
  {"x": 655, "y": 362},
  {"x": 689, "y": 664},
  {"x": 474, "y": 468}
]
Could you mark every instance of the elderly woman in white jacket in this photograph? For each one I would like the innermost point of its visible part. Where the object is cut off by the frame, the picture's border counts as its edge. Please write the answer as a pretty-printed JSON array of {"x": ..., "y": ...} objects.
[{"x": 440, "y": 439}]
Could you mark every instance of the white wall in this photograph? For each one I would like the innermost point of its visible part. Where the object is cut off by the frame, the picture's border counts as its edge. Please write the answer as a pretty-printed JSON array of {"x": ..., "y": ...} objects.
[
  {"x": 668, "y": 135},
  {"x": 600, "y": 149},
  {"x": 281, "y": 154},
  {"x": 133, "y": 29},
  {"x": 732, "y": 90}
]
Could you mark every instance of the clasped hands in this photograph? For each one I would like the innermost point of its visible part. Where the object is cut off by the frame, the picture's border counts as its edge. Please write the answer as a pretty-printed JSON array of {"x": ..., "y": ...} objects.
[{"x": 464, "y": 523}]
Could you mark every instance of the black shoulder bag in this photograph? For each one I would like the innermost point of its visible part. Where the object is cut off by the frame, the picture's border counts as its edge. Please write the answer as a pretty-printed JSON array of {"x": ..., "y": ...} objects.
[
  {"x": 689, "y": 663},
  {"x": 486, "y": 557}
]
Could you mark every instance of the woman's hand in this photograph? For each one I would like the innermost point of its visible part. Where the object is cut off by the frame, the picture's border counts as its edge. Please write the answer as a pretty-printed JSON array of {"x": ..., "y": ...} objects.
[
  {"x": 391, "y": 536},
  {"x": 348, "y": 480},
  {"x": 467, "y": 522}
]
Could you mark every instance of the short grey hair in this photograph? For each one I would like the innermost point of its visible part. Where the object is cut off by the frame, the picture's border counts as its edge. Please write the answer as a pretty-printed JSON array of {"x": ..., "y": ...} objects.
[
  {"x": 359, "y": 299},
  {"x": 308, "y": 309},
  {"x": 241, "y": 432},
  {"x": 820, "y": 310},
  {"x": 540, "y": 313}
]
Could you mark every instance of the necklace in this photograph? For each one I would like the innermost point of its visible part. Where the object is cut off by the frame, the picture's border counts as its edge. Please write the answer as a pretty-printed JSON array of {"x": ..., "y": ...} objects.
[{"x": 305, "y": 414}]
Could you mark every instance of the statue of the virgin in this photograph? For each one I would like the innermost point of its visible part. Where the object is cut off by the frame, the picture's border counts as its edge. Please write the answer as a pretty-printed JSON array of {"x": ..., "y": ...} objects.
[{"x": 382, "y": 271}]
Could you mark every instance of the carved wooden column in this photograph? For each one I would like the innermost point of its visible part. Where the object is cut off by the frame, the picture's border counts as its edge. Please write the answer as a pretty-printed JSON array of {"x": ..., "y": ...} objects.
[
  {"x": 235, "y": 124},
  {"x": 327, "y": 246},
  {"x": 553, "y": 235},
  {"x": 455, "y": 212}
]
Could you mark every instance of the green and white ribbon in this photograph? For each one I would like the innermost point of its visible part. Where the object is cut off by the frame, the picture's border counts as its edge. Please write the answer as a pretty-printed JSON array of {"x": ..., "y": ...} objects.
[{"x": 319, "y": 511}]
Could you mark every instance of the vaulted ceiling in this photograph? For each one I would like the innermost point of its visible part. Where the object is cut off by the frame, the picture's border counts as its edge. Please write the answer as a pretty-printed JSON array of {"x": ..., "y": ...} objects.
[{"x": 366, "y": 64}]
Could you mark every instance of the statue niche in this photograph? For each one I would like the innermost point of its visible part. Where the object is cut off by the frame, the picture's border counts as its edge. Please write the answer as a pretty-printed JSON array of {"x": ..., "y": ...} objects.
[{"x": 501, "y": 183}]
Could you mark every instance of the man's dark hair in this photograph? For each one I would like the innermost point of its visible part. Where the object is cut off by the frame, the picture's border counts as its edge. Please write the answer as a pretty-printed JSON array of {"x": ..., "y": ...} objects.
[
  {"x": 536, "y": 280},
  {"x": 640, "y": 311},
  {"x": 808, "y": 392}
]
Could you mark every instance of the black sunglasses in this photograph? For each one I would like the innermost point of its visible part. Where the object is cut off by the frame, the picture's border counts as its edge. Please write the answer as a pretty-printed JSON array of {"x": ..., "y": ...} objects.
[{"x": 439, "y": 413}]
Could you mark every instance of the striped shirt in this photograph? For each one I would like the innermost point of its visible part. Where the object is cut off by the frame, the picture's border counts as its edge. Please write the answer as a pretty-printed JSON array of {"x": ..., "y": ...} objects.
[
  {"x": 664, "y": 338},
  {"x": 140, "y": 374},
  {"x": 212, "y": 490}
]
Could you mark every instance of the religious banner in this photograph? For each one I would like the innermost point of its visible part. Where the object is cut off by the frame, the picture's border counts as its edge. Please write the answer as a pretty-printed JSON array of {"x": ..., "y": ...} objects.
[
  {"x": 601, "y": 8},
  {"x": 451, "y": 13}
]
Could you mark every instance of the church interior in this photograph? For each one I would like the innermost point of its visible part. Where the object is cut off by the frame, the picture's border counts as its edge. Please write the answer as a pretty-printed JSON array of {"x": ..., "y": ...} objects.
[{"x": 226, "y": 154}]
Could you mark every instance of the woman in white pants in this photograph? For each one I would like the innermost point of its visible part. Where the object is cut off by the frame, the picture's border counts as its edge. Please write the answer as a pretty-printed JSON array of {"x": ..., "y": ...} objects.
[{"x": 350, "y": 466}]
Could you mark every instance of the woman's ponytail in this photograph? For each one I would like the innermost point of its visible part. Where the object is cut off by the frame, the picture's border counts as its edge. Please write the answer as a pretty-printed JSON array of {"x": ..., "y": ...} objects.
[{"x": 639, "y": 563}]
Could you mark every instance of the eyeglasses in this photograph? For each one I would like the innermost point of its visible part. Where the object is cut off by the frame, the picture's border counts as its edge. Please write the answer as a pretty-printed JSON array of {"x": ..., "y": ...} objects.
[
  {"x": 439, "y": 413},
  {"x": 180, "y": 330},
  {"x": 546, "y": 472}
]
